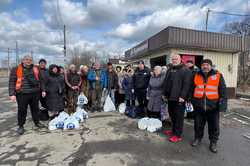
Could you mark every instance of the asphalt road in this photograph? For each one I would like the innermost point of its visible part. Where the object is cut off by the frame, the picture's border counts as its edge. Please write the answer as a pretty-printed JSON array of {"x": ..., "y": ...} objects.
[{"x": 113, "y": 139}]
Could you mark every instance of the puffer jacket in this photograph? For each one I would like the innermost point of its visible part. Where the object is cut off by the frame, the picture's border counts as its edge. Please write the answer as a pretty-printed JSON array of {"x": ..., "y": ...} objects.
[
  {"x": 141, "y": 79},
  {"x": 155, "y": 92}
]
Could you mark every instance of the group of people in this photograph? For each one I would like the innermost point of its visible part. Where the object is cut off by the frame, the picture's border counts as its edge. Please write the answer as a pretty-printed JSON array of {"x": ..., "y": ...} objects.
[{"x": 175, "y": 84}]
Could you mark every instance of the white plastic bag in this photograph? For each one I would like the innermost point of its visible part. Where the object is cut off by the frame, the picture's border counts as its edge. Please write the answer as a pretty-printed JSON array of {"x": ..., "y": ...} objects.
[
  {"x": 109, "y": 105},
  {"x": 104, "y": 96},
  {"x": 189, "y": 107},
  {"x": 143, "y": 123},
  {"x": 80, "y": 114},
  {"x": 63, "y": 115},
  {"x": 82, "y": 99},
  {"x": 164, "y": 112},
  {"x": 56, "y": 123},
  {"x": 71, "y": 123},
  {"x": 154, "y": 125},
  {"x": 52, "y": 124},
  {"x": 122, "y": 108},
  {"x": 149, "y": 124}
]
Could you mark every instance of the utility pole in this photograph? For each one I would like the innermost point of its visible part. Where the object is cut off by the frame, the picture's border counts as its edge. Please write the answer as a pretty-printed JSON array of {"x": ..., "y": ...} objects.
[
  {"x": 243, "y": 53},
  {"x": 8, "y": 61},
  {"x": 17, "y": 56},
  {"x": 64, "y": 42},
  {"x": 31, "y": 54},
  {"x": 207, "y": 16}
]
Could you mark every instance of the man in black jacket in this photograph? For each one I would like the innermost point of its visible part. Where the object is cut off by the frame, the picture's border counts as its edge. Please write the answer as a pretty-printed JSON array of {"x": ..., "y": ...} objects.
[
  {"x": 209, "y": 99},
  {"x": 141, "y": 79},
  {"x": 176, "y": 88},
  {"x": 24, "y": 88}
]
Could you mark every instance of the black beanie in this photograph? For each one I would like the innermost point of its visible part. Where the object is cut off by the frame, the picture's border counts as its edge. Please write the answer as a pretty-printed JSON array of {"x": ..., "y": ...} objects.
[
  {"x": 141, "y": 62},
  {"x": 42, "y": 60},
  {"x": 207, "y": 61}
]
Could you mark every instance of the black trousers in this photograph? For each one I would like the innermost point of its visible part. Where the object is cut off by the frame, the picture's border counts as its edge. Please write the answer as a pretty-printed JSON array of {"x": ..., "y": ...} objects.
[
  {"x": 119, "y": 98},
  {"x": 141, "y": 96},
  {"x": 43, "y": 102},
  {"x": 212, "y": 118},
  {"x": 130, "y": 103},
  {"x": 176, "y": 113},
  {"x": 25, "y": 100}
]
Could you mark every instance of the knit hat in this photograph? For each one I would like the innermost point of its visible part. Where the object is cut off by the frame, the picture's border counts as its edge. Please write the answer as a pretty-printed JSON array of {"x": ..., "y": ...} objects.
[
  {"x": 42, "y": 60},
  {"x": 141, "y": 62},
  {"x": 207, "y": 61}
]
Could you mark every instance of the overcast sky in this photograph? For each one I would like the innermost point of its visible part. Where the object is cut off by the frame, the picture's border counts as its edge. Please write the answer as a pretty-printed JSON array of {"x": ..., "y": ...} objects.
[{"x": 107, "y": 26}]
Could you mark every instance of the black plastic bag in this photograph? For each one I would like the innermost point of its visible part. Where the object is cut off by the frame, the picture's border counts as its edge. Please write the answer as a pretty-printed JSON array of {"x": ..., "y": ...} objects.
[{"x": 43, "y": 114}]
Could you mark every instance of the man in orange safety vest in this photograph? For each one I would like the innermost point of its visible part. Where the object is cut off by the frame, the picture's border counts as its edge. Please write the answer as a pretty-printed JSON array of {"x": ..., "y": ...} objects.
[{"x": 208, "y": 98}]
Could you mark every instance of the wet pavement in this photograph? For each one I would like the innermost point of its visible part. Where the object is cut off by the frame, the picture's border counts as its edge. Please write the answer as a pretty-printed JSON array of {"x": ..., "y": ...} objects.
[{"x": 113, "y": 139}]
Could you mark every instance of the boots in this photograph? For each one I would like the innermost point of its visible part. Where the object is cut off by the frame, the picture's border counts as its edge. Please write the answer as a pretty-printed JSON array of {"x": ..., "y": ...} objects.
[
  {"x": 213, "y": 147},
  {"x": 20, "y": 130},
  {"x": 196, "y": 142}
]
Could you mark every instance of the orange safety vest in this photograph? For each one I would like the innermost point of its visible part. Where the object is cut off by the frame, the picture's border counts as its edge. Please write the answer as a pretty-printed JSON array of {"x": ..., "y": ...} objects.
[
  {"x": 209, "y": 89},
  {"x": 19, "y": 74}
]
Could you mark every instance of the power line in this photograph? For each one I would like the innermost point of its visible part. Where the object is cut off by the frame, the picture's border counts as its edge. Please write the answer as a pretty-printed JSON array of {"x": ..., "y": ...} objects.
[{"x": 228, "y": 13}]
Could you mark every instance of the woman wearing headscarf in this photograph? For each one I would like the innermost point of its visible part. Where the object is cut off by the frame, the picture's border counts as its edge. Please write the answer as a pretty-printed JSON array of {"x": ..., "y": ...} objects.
[
  {"x": 55, "y": 90},
  {"x": 155, "y": 92}
]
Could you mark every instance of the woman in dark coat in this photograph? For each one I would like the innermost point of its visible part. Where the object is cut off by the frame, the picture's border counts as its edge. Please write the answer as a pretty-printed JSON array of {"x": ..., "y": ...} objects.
[
  {"x": 155, "y": 92},
  {"x": 127, "y": 86},
  {"x": 55, "y": 90}
]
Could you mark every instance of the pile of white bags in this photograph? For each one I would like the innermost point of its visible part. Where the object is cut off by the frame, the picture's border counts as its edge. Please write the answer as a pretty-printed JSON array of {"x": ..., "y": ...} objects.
[
  {"x": 149, "y": 124},
  {"x": 109, "y": 105},
  {"x": 65, "y": 121}
]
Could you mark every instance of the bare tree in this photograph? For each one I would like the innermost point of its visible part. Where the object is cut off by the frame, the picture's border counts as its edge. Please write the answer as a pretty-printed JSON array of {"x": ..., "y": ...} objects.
[{"x": 82, "y": 57}]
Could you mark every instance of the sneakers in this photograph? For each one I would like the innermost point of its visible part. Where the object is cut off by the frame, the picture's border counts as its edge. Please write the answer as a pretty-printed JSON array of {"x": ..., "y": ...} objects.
[
  {"x": 196, "y": 142},
  {"x": 213, "y": 147},
  {"x": 168, "y": 132},
  {"x": 175, "y": 139},
  {"x": 20, "y": 130}
]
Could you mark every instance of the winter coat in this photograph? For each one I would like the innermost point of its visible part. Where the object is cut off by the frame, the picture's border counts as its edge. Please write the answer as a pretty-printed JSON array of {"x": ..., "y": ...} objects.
[
  {"x": 93, "y": 83},
  {"x": 73, "y": 79},
  {"x": 177, "y": 82},
  {"x": 127, "y": 85},
  {"x": 44, "y": 73},
  {"x": 141, "y": 79},
  {"x": 55, "y": 91},
  {"x": 205, "y": 104},
  {"x": 155, "y": 92},
  {"x": 29, "y": 83},
  {"x": 112, "y": 80}
]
